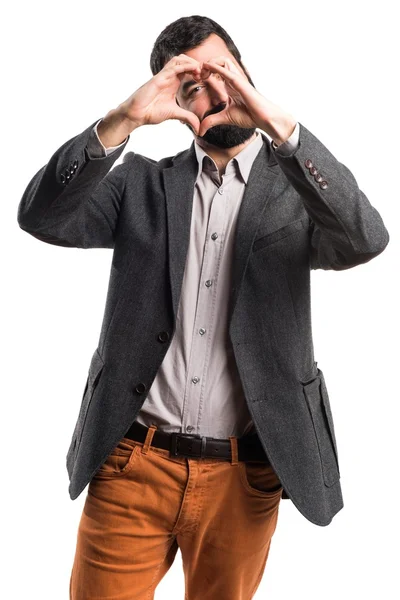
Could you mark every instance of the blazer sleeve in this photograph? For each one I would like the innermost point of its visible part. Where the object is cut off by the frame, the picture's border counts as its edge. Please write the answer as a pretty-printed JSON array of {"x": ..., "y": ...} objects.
[
  {"x": 345, "y": 229},
  {"x": 74, "y": 200}
]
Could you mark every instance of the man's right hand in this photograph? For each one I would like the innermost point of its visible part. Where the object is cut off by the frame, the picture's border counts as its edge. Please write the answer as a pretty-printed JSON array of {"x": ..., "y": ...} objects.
[{"x": 152, "y": 103}]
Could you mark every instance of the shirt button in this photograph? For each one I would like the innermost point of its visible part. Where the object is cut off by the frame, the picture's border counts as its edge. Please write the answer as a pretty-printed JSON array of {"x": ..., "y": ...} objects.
[
  {"x": 220, "y": 190},
  {"x": 202, "y": 331},
  {"x": 214, "y": 236},
  {"x": 163, "y": 336},
  {"x": 141, "y": 388},
  {"x": 189, "y": 428},
  {"x": 208, "y": 282},
  {"x": 196, "y": 379}
]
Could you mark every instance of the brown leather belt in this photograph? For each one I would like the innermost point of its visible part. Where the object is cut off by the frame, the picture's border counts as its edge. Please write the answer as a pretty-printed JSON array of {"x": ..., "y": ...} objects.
[{"x": 197, "y": 446}]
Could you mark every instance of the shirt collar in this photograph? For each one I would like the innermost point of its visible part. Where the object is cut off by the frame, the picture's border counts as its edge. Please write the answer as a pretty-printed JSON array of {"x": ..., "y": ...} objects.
[{"x": 243, "y": 160}]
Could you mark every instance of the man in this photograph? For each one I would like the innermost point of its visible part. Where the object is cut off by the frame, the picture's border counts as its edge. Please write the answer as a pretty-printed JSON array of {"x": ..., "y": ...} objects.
[{"x": 204, "y": 405}]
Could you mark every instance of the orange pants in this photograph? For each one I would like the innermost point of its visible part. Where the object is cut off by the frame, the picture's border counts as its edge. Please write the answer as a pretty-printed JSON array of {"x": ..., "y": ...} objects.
[{"x": 142, "y": 504}]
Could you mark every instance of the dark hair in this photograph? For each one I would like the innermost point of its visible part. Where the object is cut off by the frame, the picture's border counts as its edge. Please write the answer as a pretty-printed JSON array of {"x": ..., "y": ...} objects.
[{"x": 187, "y": 33}]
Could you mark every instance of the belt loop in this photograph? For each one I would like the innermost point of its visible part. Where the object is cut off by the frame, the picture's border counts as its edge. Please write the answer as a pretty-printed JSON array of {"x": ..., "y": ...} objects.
[
  {"x": 234, "y": 450},
  {"x": 203, "y": 446},
  {"x": 149, "y": 437}
]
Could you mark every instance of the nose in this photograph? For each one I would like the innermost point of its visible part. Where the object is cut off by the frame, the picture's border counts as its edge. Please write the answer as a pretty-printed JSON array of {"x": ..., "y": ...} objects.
[{"x": 217, "y": 89}]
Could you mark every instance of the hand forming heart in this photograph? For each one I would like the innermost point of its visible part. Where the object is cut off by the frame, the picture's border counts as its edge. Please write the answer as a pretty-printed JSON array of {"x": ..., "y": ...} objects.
[{"x": 246, "y": 107}]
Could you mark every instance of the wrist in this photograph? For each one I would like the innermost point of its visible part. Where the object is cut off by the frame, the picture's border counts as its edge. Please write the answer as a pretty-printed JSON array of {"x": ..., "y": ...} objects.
[
  {"x": 114, "y": 128},
  {"x": 280, "y": 127},
  {"x": 283, "y": 132}
]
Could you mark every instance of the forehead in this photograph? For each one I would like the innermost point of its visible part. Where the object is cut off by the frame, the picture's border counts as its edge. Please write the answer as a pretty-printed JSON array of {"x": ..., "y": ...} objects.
[{"x": 212, "y": 47}]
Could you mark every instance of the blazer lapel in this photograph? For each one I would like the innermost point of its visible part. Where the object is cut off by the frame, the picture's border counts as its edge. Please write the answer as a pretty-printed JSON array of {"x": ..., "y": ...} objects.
[
  {"x": 256, "y": 203},
  {"x": 179, "y": 182}
]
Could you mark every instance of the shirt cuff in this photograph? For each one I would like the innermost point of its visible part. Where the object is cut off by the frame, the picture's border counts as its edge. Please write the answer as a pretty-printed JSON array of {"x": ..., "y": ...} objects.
[
  {"x": 290, "y": 145},
  {"x": 95, "y": 146}
]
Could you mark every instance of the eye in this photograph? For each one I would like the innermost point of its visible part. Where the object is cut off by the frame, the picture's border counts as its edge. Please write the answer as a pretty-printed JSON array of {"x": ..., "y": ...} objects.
[{"x": 195, "y": 88}]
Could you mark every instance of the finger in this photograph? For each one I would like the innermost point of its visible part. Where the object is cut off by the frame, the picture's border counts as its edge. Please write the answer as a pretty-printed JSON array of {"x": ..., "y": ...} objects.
[
  {"x": 215, "y": 67},
  {"x": 180, "y": 64},
  {"x": 228, "y": 71},
  {"x": 219, "y": 118},
  {"x": 182, "y": 67},
  {"x": 184, "y": 59},
  {"x": 237, "y": 84},
  {"x": 225, "y": 62},
  {"x": 181, "y": 59},
  {"x": 181, "y": 70},
  {"x": 187, "y": 117}
]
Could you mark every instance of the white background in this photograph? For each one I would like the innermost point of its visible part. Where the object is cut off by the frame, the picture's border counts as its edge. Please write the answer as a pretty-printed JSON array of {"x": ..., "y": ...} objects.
[{"x": 334, "y": 66}]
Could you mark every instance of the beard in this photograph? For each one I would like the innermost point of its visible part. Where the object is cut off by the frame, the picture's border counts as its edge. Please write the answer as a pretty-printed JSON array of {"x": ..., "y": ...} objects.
[{"x": 227, "y": 136}]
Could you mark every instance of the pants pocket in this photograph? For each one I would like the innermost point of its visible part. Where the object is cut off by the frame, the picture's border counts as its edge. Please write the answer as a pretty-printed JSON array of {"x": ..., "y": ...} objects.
[
  {"x": 259, "y": 478},
  {"x": 119, "y": 462}
]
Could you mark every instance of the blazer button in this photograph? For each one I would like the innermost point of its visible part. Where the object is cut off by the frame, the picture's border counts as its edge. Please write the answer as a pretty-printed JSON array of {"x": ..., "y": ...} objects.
[
  {"x": 62, "y": 177},
  {"x": 141, "y": 388},
  {"x": 313, "y": 171},
  {"x": 75, "y": 164},
  {"x": 323, "y": 185},
  {"x": 163, "y": 336},
  {"x": 318, "y": 178},
  {"x": 308, "y": 163}
]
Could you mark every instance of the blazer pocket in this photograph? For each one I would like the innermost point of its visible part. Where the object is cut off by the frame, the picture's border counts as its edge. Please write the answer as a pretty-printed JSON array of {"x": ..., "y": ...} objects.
[
  {"x": 315, "y": 394},
  {"x": 278, "y": 234},
  {"x": 95, "y": 369},
  {"x": 311, "y": 373}
]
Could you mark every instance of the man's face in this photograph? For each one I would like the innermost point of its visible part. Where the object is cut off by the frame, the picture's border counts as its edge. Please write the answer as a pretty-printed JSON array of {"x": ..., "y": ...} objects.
[{"x": 204, "y": 99}]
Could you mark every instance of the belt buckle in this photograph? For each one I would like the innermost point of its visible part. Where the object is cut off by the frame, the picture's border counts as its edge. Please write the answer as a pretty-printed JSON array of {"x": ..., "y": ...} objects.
[{"x": 174, "y": 449}]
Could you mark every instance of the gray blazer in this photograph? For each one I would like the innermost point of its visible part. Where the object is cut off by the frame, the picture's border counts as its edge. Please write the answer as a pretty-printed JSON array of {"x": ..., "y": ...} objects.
[{"x": 299, "y": 212}]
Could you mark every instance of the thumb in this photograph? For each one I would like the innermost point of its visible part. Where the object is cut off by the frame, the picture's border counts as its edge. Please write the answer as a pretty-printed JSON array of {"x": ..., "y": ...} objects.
[
  {"x": 211, "y": 121},
  {"x": 188, "y": 117}
]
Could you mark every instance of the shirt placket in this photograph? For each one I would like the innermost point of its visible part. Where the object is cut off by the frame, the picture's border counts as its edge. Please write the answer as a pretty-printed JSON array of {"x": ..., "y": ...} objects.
[{"x": 205, "y": 314}]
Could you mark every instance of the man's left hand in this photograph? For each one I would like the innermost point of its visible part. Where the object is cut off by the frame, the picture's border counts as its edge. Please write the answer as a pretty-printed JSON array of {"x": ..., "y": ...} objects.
[{"x": 246, "y": 107}]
